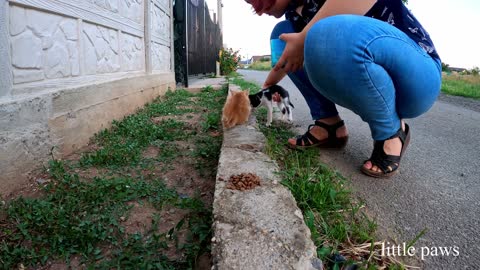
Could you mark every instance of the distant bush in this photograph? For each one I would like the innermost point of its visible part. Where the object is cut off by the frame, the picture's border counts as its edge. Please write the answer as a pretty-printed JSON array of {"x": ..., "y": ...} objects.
[
  {"x": 445, "y": 67},
  {"x": 475, "y": 71}
]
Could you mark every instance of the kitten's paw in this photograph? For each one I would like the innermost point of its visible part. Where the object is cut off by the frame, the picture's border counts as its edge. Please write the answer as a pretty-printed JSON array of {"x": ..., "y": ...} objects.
[{"x": 268, "y": 124}]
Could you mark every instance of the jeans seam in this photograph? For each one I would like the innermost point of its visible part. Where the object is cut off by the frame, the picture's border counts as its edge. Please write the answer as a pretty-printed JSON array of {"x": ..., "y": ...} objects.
[{"x": 368, "y": 73}]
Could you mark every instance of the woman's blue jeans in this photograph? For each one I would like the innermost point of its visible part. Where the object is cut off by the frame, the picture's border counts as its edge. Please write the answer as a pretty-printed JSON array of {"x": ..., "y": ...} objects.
[{"x": 367, "y": 66}]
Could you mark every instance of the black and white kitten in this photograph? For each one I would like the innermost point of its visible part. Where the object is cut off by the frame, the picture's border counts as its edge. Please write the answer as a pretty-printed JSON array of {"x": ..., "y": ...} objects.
[{"x": 264, "y": 97}]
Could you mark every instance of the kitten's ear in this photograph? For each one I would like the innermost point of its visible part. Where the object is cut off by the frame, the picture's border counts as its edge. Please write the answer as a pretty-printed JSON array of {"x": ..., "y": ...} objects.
[
  {"x": 230, "y": 92},
  {"x": 247, "y": 92}
]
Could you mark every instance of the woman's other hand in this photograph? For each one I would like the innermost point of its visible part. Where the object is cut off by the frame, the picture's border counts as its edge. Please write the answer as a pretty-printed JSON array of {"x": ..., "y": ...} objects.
[{"x": 292, "y": 57}]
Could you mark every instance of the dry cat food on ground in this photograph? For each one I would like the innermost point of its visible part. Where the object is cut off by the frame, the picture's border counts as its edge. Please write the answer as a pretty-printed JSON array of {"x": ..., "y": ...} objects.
[{"x": 243, "y": 181}]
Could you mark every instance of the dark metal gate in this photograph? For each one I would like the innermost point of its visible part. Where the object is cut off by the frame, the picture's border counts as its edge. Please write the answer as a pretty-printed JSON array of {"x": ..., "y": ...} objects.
[{"x": 198, "y": 39}]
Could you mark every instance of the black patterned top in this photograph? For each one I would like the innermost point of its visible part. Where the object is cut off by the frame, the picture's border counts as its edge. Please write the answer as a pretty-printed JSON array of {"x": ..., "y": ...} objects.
[
  {"x": 310, "y": 8},
  {"x": 392, "y": 11}
]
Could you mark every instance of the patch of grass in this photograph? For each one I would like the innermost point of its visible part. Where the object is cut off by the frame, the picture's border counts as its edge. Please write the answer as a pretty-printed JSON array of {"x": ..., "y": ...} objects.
[
  {"x": 461, "y": 85},
  {"x": 168, "y": 150},
  {"x": 74, "y": 217},
  {"x": 244, "y": 85},
  {"x": 207, "y": 152},
  {"x": 84, "y": 216},
  {"x": 171, "y": 104},
  {"x": 212, "y": 121},
  {"x": 335, "y": 220},
  {"x": 124, "y": 142},
  {"x": 212, "y": 99},
  {"x": 259, "y": 65}
]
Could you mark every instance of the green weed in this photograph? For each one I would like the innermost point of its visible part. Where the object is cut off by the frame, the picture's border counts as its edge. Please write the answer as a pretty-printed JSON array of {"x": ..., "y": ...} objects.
[{"x": 75, "y": 216}]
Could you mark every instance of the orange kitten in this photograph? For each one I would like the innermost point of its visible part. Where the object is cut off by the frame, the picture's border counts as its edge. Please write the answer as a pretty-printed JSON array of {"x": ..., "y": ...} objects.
[{"x": 236, "y": 109}]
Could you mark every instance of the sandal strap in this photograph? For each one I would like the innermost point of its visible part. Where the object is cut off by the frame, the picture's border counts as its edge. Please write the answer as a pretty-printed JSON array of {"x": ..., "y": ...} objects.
[
  {"x": 402, "y": 135},
  {"x": 331, "y": 129},
  {"x": 388, "y": 163},
  {"x": 307, "y": 138}
]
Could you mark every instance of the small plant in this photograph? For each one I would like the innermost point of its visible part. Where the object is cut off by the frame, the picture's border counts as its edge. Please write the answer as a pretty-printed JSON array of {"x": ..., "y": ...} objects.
[
  {"x": 212, "y": 121},
  {"x": 229, "y": 60}
]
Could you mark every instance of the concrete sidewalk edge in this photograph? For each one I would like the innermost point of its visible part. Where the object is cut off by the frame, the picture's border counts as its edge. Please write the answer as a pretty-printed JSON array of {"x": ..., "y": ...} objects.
[{"x": 260, "y": 228}]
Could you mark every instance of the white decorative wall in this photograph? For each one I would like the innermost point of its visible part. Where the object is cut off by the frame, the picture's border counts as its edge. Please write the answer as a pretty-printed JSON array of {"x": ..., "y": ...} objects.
[
  {"x": 161, "y": 36},
  {"x": 43, "y": 46},
  {"x": 67, "y": 41},
  {"x": 70, "y": 67},
  {"x": 101, "y": 49}
]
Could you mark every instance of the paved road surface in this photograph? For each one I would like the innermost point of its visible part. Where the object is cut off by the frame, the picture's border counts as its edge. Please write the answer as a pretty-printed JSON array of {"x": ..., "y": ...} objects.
[{"x": 438, "y": 187}]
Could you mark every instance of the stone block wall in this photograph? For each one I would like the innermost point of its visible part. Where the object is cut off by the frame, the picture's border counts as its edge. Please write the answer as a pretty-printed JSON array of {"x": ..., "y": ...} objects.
[{"x": 93, "y": 55}]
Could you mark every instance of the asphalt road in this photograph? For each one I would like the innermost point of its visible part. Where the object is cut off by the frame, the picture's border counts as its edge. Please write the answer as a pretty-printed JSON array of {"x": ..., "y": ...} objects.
[{"x": 438, "y": 185}]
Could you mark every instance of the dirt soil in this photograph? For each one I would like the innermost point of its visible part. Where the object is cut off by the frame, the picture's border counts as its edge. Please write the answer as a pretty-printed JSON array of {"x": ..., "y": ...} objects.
[{"x": 179, "y": 174}]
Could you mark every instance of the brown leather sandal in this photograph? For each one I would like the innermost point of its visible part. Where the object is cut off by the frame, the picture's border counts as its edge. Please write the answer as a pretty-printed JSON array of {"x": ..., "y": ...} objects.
[
  {"x": 307, "y": 140},
  {"x": 387, "y": 164}
]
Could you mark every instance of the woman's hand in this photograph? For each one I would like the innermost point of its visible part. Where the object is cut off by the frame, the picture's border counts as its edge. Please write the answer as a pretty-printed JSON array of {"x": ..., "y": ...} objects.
[{"x": 292, "y": 57}]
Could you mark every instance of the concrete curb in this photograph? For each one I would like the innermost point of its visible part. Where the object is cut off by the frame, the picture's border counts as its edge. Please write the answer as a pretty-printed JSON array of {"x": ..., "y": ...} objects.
[
  {"x": 197, "y": 84},
  {"x": 261, "y": 228}
]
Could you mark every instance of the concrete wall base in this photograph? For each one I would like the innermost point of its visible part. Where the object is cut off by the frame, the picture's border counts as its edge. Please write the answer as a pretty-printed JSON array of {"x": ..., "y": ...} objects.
[{"x": 32, "y": 125}]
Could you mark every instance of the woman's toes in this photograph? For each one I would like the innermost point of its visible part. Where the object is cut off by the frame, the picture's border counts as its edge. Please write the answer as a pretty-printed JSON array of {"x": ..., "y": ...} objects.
[
  {"x": 293, "y": 141},
  {"x": 367, "y": 165}
]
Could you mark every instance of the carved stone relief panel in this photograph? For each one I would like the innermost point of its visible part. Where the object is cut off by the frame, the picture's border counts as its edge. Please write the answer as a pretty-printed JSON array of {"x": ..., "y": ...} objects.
[
  {"x": 101, "y": 48},
  {"x": 111, "y": 5},
  {"x": 132, "y": 53},
  {"x": 161, "y": 57},
  {"x": 43, "y": 45},
  {"x": 132, "y": 9},
  {"x": 160, "y": 23},
  {"x": 69, "y": 38}
]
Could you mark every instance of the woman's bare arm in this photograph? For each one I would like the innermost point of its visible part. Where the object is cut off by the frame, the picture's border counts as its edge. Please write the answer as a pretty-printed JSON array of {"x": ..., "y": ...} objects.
[
  {"x": 337, "y": 7},
  {"x": 273, "y": 78},
  {"x": 292, "y": 57}
]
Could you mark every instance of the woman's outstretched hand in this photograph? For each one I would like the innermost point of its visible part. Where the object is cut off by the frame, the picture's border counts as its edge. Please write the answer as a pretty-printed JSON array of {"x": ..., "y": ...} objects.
[{"x": 292, "y": 57}]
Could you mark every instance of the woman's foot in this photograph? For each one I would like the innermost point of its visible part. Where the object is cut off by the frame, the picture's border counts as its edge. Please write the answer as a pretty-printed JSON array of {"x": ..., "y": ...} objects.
[
  {"x": 318, "y": 134},
  {"x": 392, "y": 147}
]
